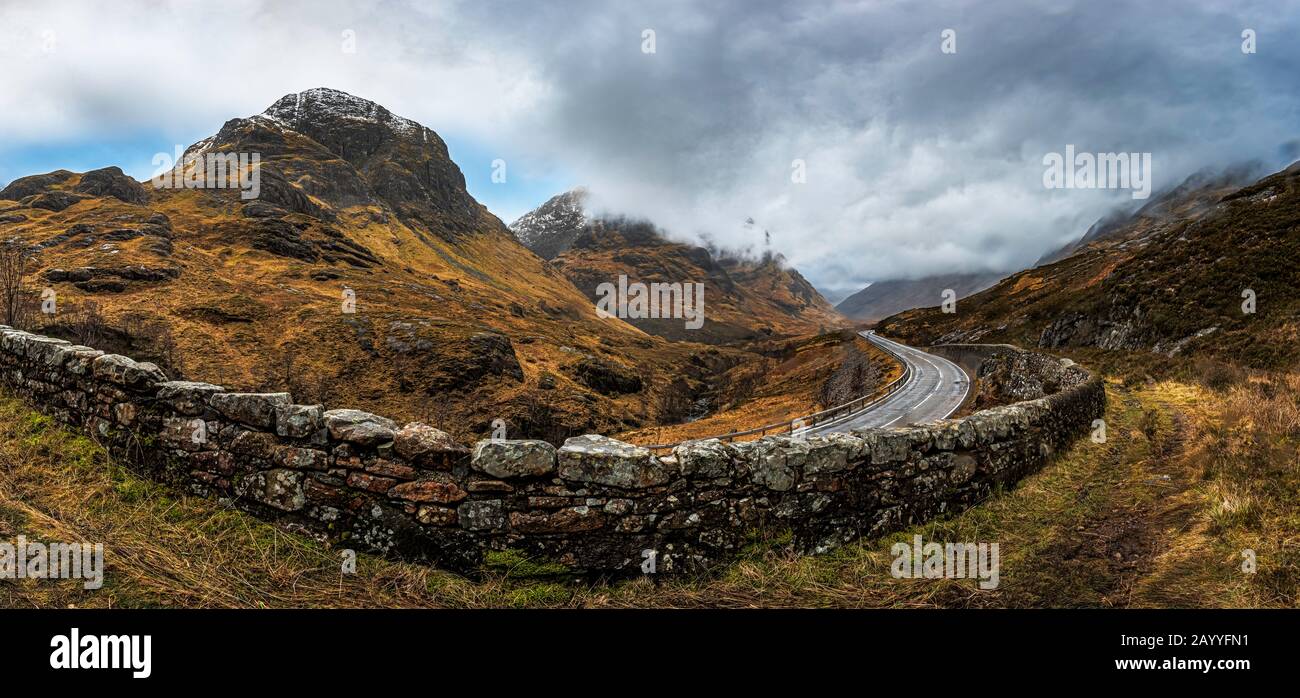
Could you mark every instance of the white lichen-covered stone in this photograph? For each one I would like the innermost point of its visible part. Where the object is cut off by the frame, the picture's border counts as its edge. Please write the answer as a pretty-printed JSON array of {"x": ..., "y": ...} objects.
[
  {"x": 518, "y": 458},
  {"x": 775, "y": 461},
  {"x": 482, "y": 515},
  {"x": 299, "y": 421},
  {"x": 606, "y": 461},
  {"x": 256, "y": 410},
  {"x": 127, "y": 372},
  {"x": 362, "y": 428},
  {"x": 891, "y": 446},
  {"x": 188, "y": 397},
  {"x": 707, "y": 459},
  {"x": 833, "y": 453},
  {"x": 282, "y": 489}
]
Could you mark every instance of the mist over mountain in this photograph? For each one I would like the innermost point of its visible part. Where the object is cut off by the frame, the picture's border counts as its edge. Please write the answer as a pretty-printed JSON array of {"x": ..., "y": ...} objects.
[
  {"x": 1191, "y": 198},
  {"x": 748, "y": 297},
  {"x": 1205, "y": 271}
]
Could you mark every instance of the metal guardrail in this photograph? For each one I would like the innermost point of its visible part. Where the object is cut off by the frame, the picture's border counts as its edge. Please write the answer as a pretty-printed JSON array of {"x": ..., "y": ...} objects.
[{"x": 830, "y": 414}]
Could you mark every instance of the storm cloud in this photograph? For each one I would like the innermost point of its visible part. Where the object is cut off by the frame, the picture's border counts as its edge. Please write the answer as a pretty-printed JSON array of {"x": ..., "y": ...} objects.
[{"x": 917, "y": 161}]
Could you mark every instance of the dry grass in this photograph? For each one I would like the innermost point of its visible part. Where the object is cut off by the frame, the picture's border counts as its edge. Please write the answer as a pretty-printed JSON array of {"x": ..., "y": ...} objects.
[
  {"x": 783, "y": 391},
  {"x": 1243, "y": 458},
  {"x": 1156, "y": 516}
]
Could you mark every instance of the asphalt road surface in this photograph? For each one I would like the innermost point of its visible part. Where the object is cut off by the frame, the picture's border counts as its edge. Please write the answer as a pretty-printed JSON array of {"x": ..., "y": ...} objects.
[{"x": 934, "y": 391}]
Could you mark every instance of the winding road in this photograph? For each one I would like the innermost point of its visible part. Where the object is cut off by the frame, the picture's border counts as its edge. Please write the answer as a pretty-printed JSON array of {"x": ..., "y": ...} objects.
[{"x": 934, "y": 390}]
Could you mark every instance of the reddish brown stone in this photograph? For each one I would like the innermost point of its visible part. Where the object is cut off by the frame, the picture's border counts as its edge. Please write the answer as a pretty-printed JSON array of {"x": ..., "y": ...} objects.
[
  {"x": 571, "y": 520},
  {"x": 428, "y": 448},
  {"x": 373, "y": 483},
  {"x": 442, "y": 490},
  {"x": 388, "y": 468},
  {"x": 489, "y": 486},
  {"x": 547, "y": 502},
  {"x": 321, "y": 493},
  {"x": 258, "y": 444}
]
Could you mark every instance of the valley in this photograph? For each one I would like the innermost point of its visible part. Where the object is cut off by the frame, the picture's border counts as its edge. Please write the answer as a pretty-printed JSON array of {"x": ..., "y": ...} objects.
[
  {"x": 384, "y": 313},
  {"x": 365, "y": 274}
]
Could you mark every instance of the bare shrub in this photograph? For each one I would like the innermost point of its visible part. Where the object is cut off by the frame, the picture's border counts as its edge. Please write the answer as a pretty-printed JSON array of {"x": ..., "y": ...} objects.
[
  {"x": 151, "y": 337},
  {"x": 854, "y": 377},
  {"x": 15, "y": 305},
  {"x": 87, "y": 325},
  {"x": 1217, "y": 375},
  {"x": 538, "y": 418},
  {"x": 284, "y": 373}
]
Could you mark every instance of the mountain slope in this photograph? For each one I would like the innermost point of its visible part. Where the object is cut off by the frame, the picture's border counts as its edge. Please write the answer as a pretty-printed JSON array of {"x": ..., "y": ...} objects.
[
  {"x": 745, "y": 299},
  {"x": 455, "y": 322},
  {"x": 1195, "y": 196},
  {"x": 1175, "y": 287},
  {"x": 884, "y": 298}
]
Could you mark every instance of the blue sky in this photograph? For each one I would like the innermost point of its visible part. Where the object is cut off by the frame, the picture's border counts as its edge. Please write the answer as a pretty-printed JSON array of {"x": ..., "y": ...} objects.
[{"x": 527, "y": 184}]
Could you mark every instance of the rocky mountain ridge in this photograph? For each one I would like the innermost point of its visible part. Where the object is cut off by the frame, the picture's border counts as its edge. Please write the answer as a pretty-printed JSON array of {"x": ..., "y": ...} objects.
[{"x": 748, "y": 299}]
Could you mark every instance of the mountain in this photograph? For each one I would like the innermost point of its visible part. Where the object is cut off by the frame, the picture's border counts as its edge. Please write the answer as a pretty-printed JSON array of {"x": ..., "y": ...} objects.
[
  {"x": 884, "y": 298},
  {"x": 1193, "y": 197},
  {"x": 553, "y": 227},
  {"x": 745, "y": 299},
  {"x": 1174, "y": 281},
  {"x": 455, "y": 323}
]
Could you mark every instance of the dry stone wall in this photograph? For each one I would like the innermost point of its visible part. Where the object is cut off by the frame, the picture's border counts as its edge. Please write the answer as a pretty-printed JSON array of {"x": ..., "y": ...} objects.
[{"x": 594, "y": 505}]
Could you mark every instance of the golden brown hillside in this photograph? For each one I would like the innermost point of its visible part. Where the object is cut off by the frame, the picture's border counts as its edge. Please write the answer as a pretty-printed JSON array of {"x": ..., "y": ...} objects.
[{"x": 455, "y": 323}]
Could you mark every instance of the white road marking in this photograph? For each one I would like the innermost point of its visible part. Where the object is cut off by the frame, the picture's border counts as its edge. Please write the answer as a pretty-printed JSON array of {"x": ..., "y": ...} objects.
[{"x": 944, "y": 371}]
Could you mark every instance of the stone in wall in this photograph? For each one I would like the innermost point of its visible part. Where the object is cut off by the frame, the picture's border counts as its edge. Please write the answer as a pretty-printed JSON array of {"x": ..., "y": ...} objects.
[
  {"x": 506, "y": 459},
  {"x": 300, "y": 421},
  {"x": 255, "y": 410},
  {"x": 126, "y": 372},
  {"x": 363, "y": 428},
  {"x": 187, "y": 397},
  {"x": 427, "y": 447},
  {"x": 606, "y": 461},
  {"x": 708, "y": 459}
]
